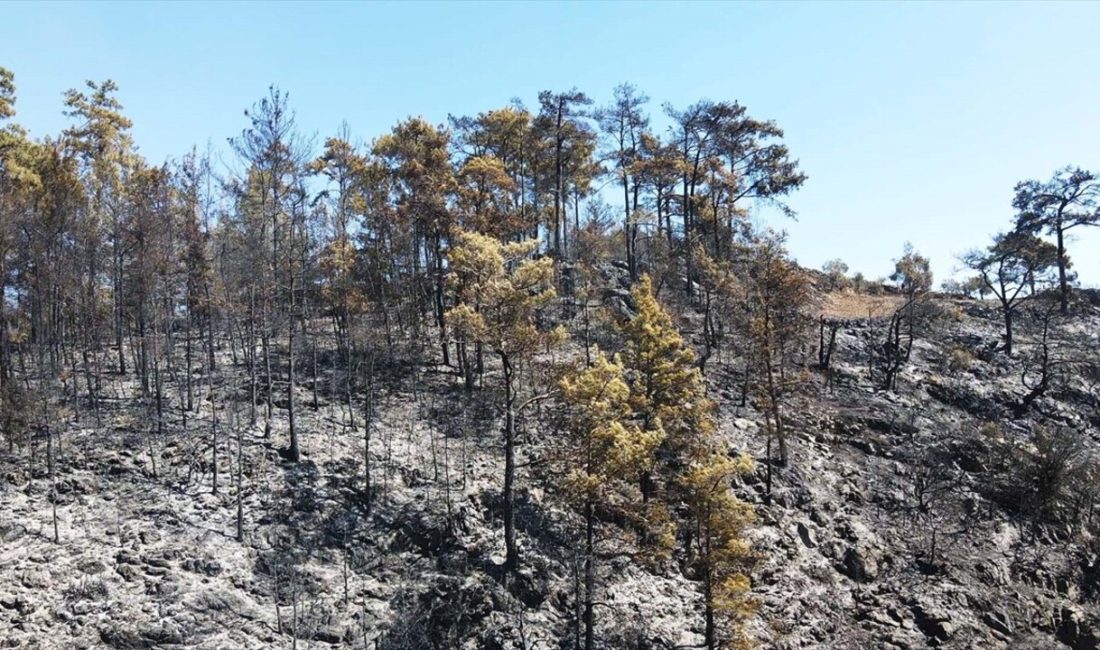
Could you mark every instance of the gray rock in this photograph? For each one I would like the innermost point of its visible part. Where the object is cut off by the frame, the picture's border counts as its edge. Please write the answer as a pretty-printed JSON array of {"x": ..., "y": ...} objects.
[
  {"x": 204, "y": 567},
  {"x": 330, "y": 634},
  {"x": 861, "y": 563},
  {"x": 93, "y": 567},
  {"x": 935, "y": 622},
  {"x": 999, "y": 622},
  {"x": 129, "y": 572},
  {"x": 806, "y": 535},
  {"x": 1077, "y": 630}
]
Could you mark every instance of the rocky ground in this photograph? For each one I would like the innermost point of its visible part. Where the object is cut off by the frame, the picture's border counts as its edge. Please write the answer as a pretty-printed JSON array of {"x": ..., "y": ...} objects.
[{"x": 888, "y": 527}]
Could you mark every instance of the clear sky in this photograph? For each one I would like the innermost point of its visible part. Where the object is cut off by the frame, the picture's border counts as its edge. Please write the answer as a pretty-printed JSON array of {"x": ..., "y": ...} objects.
[{"x": 913, "y": 120}]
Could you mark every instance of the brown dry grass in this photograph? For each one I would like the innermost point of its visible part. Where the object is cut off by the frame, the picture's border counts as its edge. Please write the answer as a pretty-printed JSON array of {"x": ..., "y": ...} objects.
[{"x": 846, "y": 305}]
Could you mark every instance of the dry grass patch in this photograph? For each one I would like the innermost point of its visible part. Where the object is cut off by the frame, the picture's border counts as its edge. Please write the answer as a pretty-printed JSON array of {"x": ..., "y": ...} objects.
[{"x": 846, "y": 305}]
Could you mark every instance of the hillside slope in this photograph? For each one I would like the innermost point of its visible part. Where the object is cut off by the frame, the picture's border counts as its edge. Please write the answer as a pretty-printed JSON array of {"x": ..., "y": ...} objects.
[{"x": 892, "y": 526}]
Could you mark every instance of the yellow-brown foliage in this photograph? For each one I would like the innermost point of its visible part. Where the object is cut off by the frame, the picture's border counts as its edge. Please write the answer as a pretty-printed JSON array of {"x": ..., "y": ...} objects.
[
  {"x": 610, "y": 451},
  {"x": 499, "y": 290},
  {"x": 667, "y": 388},
  {"x": 723, "y": 556}
]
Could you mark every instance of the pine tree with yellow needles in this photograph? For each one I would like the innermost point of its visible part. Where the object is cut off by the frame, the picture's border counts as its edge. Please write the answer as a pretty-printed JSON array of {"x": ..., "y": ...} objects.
[
  {"x": 510, "y": 287},
  {"x": 722, "y": 556},
  {"x": 668, "y": 394},
  {"x": 667, "y": 390},
  {"x": 607, "y": 454}
]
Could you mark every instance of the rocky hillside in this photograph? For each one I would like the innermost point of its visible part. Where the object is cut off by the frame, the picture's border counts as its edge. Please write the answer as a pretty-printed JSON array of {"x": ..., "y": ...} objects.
[
  {"x": 906, "y": 519},
  {"x": 921, "y": 517}
]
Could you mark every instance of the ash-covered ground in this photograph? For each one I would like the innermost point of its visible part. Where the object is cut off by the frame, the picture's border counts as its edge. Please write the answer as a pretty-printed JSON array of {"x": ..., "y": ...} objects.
[{"x": 904, "y": 519}]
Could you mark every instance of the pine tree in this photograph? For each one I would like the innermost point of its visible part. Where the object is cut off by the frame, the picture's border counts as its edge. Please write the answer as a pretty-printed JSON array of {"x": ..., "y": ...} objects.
[
  {"x": 20, "y": 182},
  {"x": 510, "y": 288},
  {"x": 658, "y": 168},
  {"x": 485, "y": 193},
  {"x": 501, "y": 136},
  {"x": 271, "y": 198},
  {"x": 607, "y": 454},
  {"x": 623, "y": 123},
  {"x": 1010, "y": 268},
  {"x": 102, "y": 140},
  {"x": 561, "y": 122},
  {"x": 345, "y": 170},
  {"x": 416, "y": 154},
  {"x": 913, "y": 277},
  {"x": 668, "y": 394},
  {"x": 1071, "y": 198},
  {"x": 722, "y": 556},
  {"x": 777, "y": 295},
  {"x": 667, "y": 391},
  {"x": 721, "y": 293}
]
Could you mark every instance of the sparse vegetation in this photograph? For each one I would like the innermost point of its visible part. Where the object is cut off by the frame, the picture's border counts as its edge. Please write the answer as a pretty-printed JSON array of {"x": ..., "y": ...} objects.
[{"x": 526, "y": 379}]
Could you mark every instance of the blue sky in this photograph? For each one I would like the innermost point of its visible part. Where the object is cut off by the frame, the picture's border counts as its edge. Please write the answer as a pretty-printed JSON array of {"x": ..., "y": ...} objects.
[{"x": 913, "y": 120}]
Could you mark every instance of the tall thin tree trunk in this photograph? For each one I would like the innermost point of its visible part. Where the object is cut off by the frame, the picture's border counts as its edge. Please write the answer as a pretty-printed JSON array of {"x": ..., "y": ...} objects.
[
  {"x": 368, "y": 423},
  {"x": 214, "y": 434},
  {"x": 187, "y": 365},
  {"x": 116, "y": 277},
  {"x": 511, "y": 561},
  {"x": 710, "y": 636},
  {"x": 240, "y": 474},
  {"x": 1063, "y": 296},
  {"x": 294, "y": 453},
  {"x": 252, "y": 354},
  {"x": 312, "y": 337},
  {"x": 52, "y": 473},
  {"x": 589, "y": 575},
  {"x": 266, "y": 343},
  {"x": 210, "y": 329},
  {"x": 438, "y": 295},
  {"x": 628, "y": 229}
]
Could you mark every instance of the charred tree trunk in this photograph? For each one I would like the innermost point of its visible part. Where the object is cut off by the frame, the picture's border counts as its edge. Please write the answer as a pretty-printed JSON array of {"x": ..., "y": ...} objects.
[
  {"x": 511, "y": 561},
  {"x": 589, "y": 575},
  {"x": 293, "y": 453}
]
